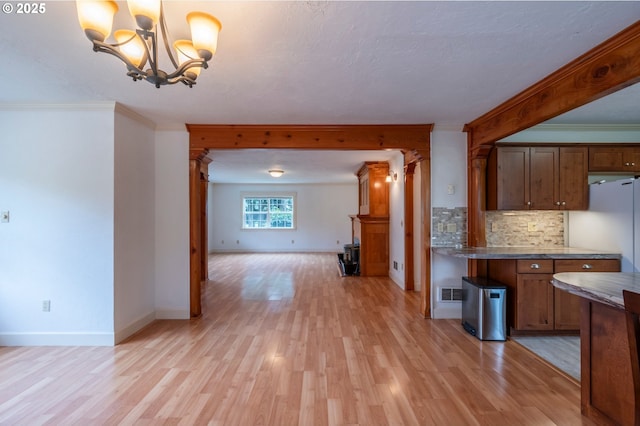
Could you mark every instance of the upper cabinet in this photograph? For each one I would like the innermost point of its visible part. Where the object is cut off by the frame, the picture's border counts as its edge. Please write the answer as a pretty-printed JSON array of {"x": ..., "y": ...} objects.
[
  {"x": 374, "y": 191},
  {"x": 614, "y": 159},
  {"x": 537, "y": 178}
]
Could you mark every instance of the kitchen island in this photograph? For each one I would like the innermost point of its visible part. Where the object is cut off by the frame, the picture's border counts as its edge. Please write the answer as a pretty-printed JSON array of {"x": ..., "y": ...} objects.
[
  {"x": 606, "y": 381},
  {"x": 534, "y": 306}
]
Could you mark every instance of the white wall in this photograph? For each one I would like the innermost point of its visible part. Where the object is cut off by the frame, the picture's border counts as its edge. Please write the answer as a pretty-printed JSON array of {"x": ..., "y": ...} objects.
[
  {"x": 396, "y": 221},
  {"x": 323, "y": 223},
  {"x": 134, "y": 274},
  {"x": 57, "y": 181},
  {"x": 448, "y": 167},
  {"x": 172, "y": 225}
]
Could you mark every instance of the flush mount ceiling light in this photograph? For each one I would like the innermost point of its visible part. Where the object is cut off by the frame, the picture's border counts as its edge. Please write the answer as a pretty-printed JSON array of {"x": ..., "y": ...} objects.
[
  {"x": 137, "y": 47},
  {"x": 276, "y": 172}
]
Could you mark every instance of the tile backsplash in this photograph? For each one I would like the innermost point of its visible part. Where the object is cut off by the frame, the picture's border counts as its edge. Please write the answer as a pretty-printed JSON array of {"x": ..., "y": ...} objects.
[
  {"x": 448, "y": 226},
  {"x": 503, "y": 228},
  {"x": 524, "y": 228}
]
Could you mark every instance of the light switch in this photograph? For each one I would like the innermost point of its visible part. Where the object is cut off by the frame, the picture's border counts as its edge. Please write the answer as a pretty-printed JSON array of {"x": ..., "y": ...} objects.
[
  {"x": 4, "y": 217},
  {"x": 451, "y": 189},
  {"x": 451, "y": 227}
]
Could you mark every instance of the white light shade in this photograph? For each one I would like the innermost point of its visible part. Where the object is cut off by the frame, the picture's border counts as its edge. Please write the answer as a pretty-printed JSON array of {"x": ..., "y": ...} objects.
[
  {"x": 145, "y": 12},
  {"x": 187, "y": 52},
  {"x": 204, "y": 33},
  {"x": 133, "y": 47},
  {"x": 96, "y": 18},
  {"x": 276, "y": 173}
]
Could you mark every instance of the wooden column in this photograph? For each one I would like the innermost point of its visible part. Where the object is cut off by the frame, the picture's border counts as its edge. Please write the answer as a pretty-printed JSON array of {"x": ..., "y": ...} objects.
[
  {"x": 425, "y": 233},
  {"x": 196, "y": 158},
  {"x": 204, "y": 228},
  {"x": 409, "y": 171}
]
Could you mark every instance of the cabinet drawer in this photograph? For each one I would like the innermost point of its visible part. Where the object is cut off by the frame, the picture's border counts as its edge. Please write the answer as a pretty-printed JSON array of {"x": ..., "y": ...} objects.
[
  {"x": 535, "y": 266},
  {"x": 587, "y": 265}
]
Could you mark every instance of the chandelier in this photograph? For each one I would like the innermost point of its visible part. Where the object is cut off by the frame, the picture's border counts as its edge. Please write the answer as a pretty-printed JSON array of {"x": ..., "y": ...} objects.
[{"x": 139, "y": 47}]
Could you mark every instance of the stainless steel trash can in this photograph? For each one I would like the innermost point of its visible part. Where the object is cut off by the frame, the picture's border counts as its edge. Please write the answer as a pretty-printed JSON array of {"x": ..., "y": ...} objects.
[{"x": 484, "y": 308}]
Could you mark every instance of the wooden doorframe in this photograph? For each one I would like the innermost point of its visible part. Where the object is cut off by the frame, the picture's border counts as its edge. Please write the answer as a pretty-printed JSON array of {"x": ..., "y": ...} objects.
[{"x": 412, "y": 140}]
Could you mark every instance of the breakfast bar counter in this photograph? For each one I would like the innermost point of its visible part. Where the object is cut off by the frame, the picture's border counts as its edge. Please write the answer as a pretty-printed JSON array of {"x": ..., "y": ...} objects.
[
  {"x": 606, "y": 380},
  {"x": 509, "y": 252}
]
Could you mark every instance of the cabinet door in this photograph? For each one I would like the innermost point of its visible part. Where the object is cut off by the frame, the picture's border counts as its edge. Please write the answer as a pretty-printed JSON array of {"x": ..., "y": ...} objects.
[
  {"x": 566, "y": 310},
  {"x": 614, "y": 159},
  {"x": 567, "y": 305},
  {"x": 544, "y": 178},
  {"x": 512, "y": 178},
  {"x": 632, "y": 160},
  {"x": 573, "y": 187},
  {"x": 534, "y": 302}
]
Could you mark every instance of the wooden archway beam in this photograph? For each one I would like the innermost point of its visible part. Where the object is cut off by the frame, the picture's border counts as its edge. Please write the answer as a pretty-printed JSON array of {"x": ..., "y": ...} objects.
[
  {"x": 607, "y": 68},
  {"x": 347, "y": 137}
]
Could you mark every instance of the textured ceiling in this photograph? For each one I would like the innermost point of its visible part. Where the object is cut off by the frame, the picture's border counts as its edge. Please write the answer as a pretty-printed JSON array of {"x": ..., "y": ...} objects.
[{"x": 319, "y": 62}]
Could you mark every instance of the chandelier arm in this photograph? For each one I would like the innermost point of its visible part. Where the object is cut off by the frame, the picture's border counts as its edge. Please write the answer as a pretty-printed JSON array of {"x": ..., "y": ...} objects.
[
  {"x": 153, "y": 53},
  {"x": 165, "y": 38},
  {"x": 186, "y": 65},
  {"x": 99, "y": 46}
]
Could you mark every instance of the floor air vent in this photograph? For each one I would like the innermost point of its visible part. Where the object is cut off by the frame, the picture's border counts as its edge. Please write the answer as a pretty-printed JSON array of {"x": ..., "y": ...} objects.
[{"x": 450, "y": 294}]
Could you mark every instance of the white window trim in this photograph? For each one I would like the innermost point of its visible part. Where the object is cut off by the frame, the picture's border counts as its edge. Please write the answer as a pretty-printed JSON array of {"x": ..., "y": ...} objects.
[{"x": 269, "y": 194}]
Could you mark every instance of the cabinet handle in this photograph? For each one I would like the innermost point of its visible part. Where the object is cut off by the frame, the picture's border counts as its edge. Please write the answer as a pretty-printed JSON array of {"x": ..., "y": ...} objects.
[
  {"x": 557, "y": 203},
  {"x": 587, "y": 266},
  {"x": 564, "y": 203},
  {"x": 535, "y": 266},
  {"x": 528, "y": 203}
]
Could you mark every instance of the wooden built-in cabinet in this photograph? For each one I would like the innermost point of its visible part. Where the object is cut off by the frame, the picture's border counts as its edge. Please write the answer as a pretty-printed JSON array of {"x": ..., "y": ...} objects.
[
  {"x": 534, "y": 295},
  {"x": 533, "y": 303},
  {"x": 538, "y": 178},
  {"x": 371, "y": 225},
  {"x": 614, "y": 159}
]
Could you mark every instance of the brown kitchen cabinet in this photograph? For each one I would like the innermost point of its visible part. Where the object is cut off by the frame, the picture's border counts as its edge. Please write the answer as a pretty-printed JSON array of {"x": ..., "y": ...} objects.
[
  {"x": 534, "y": 298},
  {"x": 372, "y": 221},
  {"x": 567, "y": 305},
  {"x": 538, "y": 178},
  {"x": 533, "y": 304},
  {"x": 614, "y": 158}
]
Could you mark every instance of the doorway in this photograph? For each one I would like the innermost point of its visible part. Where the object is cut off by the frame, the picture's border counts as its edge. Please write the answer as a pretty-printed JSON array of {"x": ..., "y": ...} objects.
[{"x": 412, "y": 140}]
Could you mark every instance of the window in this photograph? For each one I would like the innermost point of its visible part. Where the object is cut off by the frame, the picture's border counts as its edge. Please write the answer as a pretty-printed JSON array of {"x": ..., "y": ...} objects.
[{"x": 268, "y": 212}]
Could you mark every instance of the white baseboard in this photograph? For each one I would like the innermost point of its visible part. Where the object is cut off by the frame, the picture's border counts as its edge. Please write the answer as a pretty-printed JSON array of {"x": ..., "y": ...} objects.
[
  {"x": 57, "y": 339},
  {"x": 136, "y": 325},
  {"x": 449, "y": 312},
  {"x": 173, "y": 314}
]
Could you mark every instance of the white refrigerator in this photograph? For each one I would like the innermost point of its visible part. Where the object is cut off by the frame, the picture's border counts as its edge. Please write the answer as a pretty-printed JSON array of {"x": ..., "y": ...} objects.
[{"x": 612, "y": 222}]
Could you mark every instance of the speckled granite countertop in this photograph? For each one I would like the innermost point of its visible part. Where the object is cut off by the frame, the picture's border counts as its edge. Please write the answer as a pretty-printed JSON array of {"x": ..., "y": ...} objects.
[
  {"x": 603, "y": 287},
  {"x": 524, "y": 253}
]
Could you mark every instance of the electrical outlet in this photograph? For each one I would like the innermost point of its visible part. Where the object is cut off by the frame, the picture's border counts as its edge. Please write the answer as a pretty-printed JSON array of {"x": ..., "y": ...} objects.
[
  {"x": 46, "y": 306},
  {"x": 451, "y": 189},
  {"x": 532, "y": 226},
  {"x": 494, "y": 227},
  {"x": 440, "y": 227}
]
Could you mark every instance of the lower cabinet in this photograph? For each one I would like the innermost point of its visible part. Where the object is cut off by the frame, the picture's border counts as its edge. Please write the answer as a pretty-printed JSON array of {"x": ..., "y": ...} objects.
[
  {"x": 534, "y": 295},
  {"x": 536, "y": 305}
]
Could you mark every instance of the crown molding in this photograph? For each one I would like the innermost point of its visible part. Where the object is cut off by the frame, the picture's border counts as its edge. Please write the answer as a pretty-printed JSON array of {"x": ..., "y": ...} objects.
[
  {"x": 88, "y": 106},
  {"x": 127, "y": 112}
]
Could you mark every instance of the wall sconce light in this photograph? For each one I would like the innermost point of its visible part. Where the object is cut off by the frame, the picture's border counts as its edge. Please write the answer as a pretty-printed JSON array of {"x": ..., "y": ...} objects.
[
  {"x": 391, "y": 177},
  {"x": 276, "y": 173}
]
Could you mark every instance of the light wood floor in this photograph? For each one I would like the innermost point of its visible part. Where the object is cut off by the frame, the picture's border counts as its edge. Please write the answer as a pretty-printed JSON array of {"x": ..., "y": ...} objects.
[{"x": 284, "y": 340}]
